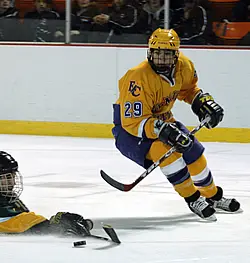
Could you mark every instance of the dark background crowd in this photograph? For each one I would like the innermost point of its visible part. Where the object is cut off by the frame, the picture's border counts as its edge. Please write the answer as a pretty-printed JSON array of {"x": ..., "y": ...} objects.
[{"x": 198, "y": 22}]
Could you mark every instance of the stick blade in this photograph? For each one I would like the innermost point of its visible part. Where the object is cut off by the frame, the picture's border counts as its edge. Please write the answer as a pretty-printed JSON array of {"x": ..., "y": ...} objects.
[
  {"x": 114, "y": 183},
  {"x": 111, "y": 233}
]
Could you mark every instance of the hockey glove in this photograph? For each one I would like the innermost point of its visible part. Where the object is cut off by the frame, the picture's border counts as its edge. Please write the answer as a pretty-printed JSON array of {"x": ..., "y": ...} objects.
[
  {"x": 204, "y": 105},
  {"x": 170, "y": 134},
  {"x": 70, "y": 224}
]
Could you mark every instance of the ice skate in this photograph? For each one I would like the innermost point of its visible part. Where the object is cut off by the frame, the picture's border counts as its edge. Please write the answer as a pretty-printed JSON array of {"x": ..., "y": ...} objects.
[
  {"x": 226, "y": 204},
  {"x": 203, "y": 209}
]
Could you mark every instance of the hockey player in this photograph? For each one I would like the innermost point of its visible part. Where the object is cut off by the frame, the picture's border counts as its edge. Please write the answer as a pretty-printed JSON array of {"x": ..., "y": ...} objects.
[
  {"x": 145, "y": 128},
  {"x": 15, "y": 217}
]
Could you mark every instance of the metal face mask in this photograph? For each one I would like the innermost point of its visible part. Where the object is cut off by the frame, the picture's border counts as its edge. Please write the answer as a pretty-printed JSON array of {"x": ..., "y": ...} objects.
[
  {"x": 11, "y": 185},
  {"x": 164, "y": 60}
]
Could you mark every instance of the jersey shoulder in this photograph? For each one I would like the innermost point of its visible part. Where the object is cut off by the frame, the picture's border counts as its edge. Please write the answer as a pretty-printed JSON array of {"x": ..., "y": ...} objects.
[
  {"x": 186, "y": 66},
  {"x": 138, "y": 72},
  {"x": 185, "y": 62},
  {"x": 135, "y": 79}
]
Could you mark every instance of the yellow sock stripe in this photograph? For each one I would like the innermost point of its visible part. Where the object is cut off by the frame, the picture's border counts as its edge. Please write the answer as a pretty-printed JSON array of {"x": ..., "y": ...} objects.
[
  {"x": 186, "y": 188},
  {"x": 208, "y": 191},
  {"x": 198, "y": 166}
]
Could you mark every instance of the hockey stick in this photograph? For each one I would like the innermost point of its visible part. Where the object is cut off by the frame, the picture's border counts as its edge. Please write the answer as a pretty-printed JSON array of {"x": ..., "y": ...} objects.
[
  {"x": 128, "y": 187},
  {"x": 110, "y": 232}
]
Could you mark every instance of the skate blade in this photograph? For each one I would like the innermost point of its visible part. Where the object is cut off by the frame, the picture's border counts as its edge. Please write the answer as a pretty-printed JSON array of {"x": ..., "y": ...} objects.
[
  {"x": 239, "y": 211},
  {"x": 221, "y": 211},
  {"x": 211, "y": 218}
]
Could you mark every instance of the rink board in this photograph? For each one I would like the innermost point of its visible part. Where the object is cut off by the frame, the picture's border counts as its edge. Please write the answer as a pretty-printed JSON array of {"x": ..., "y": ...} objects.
[
  {"x": 75, "y": 98},
  {"x": 95, "y": 130}
]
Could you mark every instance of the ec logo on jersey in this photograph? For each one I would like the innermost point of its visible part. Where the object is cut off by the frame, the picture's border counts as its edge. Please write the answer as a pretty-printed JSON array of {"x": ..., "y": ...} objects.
[{"x": 134, "y": 89}]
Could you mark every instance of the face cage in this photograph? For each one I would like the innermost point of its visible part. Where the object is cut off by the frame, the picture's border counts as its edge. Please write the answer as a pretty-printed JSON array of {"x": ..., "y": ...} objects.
[
  {"x": 11, "y": 186},
  {"x": 164, "y": 61}
]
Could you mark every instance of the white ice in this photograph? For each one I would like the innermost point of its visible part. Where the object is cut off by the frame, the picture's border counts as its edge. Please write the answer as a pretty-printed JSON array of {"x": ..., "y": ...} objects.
[{"x": 152, "y": 221}]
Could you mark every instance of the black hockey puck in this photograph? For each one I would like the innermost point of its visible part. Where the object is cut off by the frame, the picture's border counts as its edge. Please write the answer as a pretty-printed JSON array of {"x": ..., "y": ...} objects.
[{"x": 79, "y": 243}]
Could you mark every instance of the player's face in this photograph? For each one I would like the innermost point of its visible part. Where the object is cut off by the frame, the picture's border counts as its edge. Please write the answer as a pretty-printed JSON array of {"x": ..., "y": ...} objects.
[
  {"x": 11, "y": 185},
  {"x": 83, "y": 3},
  {"x": 118, "y": 2},
  {"x": 163, "y": 59},
  {"x": 41, "y": 5},
  {"x": 7, "y": 183},
  {"x": 4, "y": 4},
  {"x": 155, "y": 3}
]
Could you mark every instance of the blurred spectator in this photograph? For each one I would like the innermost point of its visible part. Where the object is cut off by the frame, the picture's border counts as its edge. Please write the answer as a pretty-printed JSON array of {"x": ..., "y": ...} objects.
[
  {"x": 8, "y": 21},
  {"x": 151, "y": 16},
  {"x": 119, "y": 18},
  {"x": 83, "y": 12},
  {"x": 43, "y": 22},
  {"x": 82, "y": 15},
  {"x": 43, "y": 10},
  {"x": 190, "y": 23},
  {"x": 7, "y": 10},
  {"x": 241, "y": 11}
]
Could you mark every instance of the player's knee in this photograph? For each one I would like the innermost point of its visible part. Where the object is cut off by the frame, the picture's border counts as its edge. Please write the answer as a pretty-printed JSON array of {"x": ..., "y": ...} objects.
[
  {"x": 198, "y": 167},
  {"x": 194, "y": 153},
  {"x": 158, "y": 149}
]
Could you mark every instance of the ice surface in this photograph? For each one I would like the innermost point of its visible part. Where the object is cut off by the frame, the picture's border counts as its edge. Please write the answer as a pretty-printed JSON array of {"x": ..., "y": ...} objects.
[{"x": 152, "y": 221}]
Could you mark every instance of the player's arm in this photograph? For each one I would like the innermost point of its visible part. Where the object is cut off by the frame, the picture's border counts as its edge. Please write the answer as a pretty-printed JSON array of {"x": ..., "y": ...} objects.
[
  {"x": 203, "y": 104},
  {"x": 189, "y": 88},
  {"x": 16, "y": 218},
  {"x": 64, "y": 223},
  {"x": 136, "y": 115},
  {"x": 60, "y": 224},
  {"x": 20, "y": 223}
]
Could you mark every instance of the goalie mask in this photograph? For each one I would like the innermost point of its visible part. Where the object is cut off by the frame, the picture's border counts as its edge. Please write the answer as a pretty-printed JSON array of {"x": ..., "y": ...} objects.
[
  {"x": 163, "y": 50},
  {"x": 11, "y": 184}
]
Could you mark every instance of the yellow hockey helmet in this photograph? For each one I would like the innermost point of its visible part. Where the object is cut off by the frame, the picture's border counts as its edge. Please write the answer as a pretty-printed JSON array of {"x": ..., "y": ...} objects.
[
  {"x": 163, "y": 51},
  {"x": 164, "y": 39}
]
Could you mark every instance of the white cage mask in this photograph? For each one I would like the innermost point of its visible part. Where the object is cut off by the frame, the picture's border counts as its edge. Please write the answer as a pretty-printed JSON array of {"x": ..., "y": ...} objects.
[
  {"x": 11, "y": 185},
  {"x": 163, "y": 60}
]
